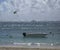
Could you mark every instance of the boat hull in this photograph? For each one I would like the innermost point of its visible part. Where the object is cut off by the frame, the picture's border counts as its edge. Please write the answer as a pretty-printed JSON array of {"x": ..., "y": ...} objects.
[{"x": 34, "y": 35}]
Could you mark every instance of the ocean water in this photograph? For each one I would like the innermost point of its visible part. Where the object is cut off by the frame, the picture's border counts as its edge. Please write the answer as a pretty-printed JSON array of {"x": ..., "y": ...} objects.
[{"x": 11, "y": 32}]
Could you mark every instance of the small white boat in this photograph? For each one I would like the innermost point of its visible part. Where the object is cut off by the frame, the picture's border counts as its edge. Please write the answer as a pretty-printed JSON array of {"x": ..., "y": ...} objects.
[{"x": 34, "y": 34}]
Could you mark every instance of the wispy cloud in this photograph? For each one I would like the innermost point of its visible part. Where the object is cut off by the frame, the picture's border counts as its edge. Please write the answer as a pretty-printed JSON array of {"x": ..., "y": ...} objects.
[{"x": 30, "y": 10}]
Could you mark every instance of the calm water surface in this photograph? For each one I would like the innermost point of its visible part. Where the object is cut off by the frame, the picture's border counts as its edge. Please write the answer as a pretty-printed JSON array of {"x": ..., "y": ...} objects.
[{"x": 11, "y": 32}]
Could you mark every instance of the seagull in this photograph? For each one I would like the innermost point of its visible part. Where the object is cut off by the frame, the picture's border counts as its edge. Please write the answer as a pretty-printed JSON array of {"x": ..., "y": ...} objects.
[{"x": 15, "y": 12}]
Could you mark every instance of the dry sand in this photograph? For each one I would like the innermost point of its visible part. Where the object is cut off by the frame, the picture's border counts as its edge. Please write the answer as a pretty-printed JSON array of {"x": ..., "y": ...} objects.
[{"x": 17, "y": 47}]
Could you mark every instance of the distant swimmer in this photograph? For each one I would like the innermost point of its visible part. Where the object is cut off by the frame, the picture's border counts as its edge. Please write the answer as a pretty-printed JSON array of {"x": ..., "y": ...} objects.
[{"x": 50, "y": 32}]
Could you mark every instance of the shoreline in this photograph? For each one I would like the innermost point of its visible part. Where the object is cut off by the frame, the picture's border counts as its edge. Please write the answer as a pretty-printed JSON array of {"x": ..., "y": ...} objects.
[{"x": 28, "y": 48}]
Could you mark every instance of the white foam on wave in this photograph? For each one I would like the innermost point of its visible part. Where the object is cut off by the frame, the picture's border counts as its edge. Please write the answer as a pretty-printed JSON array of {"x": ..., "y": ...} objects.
[{"x": 33, "y": 44}]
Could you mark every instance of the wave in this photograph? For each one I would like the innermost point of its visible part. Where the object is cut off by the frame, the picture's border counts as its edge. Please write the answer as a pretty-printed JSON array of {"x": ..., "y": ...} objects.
[{"x": 35, "y": 44}]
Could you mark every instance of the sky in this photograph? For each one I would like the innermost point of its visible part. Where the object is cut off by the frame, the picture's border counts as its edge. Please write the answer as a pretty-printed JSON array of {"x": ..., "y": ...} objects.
[{"x": 28, "y": 10}]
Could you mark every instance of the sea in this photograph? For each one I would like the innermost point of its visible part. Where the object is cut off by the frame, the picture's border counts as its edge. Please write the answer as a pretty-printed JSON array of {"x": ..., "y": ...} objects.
[{"x": 12, "y": 32}]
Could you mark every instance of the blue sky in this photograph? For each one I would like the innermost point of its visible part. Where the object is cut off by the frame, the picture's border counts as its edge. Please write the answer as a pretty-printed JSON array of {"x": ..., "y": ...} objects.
[{"x": 27, "y": 10}]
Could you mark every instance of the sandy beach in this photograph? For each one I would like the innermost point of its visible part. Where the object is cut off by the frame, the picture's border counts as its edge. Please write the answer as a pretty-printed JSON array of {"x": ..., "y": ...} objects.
[
  {"x": 26, "y": 48},
  {"x": 19, "y": 47}
]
